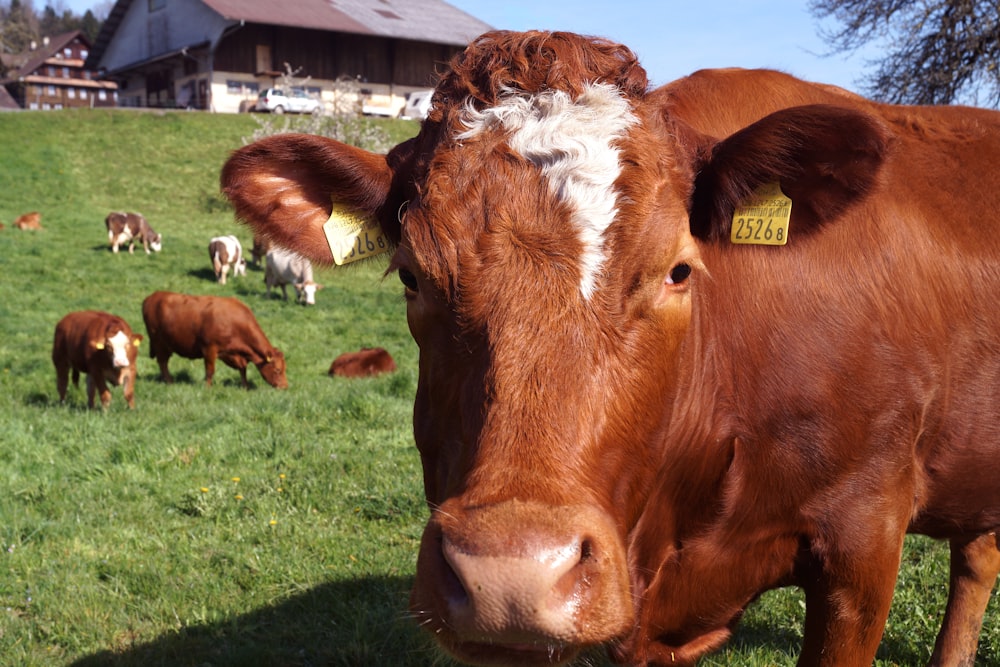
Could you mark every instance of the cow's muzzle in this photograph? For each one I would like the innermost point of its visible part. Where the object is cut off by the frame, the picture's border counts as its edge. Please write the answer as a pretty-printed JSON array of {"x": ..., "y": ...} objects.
[{"x": 522, "y": 582}]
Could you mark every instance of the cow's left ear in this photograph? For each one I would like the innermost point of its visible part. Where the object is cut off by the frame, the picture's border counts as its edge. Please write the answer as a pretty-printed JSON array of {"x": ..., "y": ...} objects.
[
  {"x": 286, "y": 186},
  {"x": 825, "y": 158}
]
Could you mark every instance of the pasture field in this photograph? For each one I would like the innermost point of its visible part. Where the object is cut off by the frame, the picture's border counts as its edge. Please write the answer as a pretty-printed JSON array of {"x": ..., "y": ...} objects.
[{"x": 217, "y": 526}]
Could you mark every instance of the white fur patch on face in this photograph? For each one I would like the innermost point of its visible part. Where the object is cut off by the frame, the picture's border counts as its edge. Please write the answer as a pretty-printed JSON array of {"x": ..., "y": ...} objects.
[
  {"x": 119, "y": 349},
  {"x": 573, "y": 143}
]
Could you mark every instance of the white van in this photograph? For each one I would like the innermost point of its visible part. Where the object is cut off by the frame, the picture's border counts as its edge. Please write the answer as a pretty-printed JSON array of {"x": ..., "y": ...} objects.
[{"x": 418, "y": 104}]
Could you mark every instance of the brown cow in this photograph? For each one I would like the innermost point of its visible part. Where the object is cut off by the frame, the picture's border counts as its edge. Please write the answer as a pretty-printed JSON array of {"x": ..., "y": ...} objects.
[
  {"x": 129, "y": 227},
  {"x": 102, "y": 346},
  {"x": 366, "y": 362},
  {"x": 210, "y": 327},
  {"x": 258, "y": 251},
  {"x": 631, "y": 421},
  {"x": 31, "y": 220}
]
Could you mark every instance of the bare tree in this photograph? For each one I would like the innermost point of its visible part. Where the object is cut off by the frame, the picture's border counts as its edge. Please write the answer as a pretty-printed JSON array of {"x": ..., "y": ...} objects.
[{"x": 935, "y": 51}]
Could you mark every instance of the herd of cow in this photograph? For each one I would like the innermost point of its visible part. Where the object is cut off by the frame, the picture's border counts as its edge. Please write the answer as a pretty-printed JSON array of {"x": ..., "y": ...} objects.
[
  {"x": 104, "y": 348},
  {"x": 678, "y": 346}
]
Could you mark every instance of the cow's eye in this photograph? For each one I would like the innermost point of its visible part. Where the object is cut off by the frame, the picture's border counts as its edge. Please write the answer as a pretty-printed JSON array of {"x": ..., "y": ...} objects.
[
  {"x": 679, "y": 274},
  {"x": 408, "y": 279}
]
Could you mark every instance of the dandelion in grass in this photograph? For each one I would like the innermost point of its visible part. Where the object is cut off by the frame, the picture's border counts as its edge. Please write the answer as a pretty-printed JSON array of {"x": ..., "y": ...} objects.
[
  {"x": 273, "y": 522},
  {"x": 236, "y": 480},
  {"x": 204, "y": 489},
  {"x": 238, "y": 496}
]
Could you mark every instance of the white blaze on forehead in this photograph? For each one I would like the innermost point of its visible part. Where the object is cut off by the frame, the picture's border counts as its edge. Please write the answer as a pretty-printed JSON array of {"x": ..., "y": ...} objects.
[
  {"x": 573, "y": 143},
  {"x": 119, "y": 349}
]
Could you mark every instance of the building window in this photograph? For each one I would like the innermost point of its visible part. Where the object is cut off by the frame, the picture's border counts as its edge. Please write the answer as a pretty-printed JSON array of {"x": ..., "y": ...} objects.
[
  {"x": 71, "y": 93},
  {"x": 234, "y": 87},
  {"x": 83, "y": 54},
  {"x": 52, "y": 71},
  {"x": 155, "y": 5},
  {"x": 251, "y": 87},
  {"x": 83, "y": 93},
  {"x": 102, "y": 95},
  {"x": 65, "y": 72},
  {"x": 52, "y": 91},
  {"x": 68, "y": 52}
]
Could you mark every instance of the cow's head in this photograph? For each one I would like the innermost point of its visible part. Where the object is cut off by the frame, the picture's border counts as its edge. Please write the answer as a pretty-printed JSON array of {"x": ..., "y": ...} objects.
[
  {"x": 121, "y": 348},
  {"x": 306, "y": 292},
  {"x": 543, "y": 237},
  {"x": 272, "y": 369}
]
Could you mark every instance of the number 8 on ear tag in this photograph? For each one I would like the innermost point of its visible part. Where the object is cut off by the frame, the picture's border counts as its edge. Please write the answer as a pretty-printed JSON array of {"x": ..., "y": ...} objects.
[
  {"x": 353, "y": 236},
  {"x": 763, "y": 219}
]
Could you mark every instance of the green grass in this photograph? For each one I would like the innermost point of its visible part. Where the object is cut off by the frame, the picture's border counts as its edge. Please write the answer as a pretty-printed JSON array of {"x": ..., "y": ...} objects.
[{"x": 125, "y": 538}]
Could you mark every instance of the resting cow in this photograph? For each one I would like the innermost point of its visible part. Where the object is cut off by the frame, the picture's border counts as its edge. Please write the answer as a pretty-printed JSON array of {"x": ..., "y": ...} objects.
[
  {"x": 631, "y": 421},
  {"x": 226, "y": 252},
  {"x": 128, "y": 228},
  {"x": 365, "y": 362},
  {"x": 100, "y": 345},
  {"x": 286, "y": 268},
  {"x": 210, "y": 327},
  {"x": 31, "y": 220}
]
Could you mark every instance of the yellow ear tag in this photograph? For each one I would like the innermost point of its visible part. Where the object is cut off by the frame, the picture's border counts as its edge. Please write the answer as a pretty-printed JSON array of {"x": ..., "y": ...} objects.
[
  {"x": 99, "y": 346},
  {"x": 352, "y": 236},
  {"x": 136, "y": 342},
  {"x": 763, "y": 219}
]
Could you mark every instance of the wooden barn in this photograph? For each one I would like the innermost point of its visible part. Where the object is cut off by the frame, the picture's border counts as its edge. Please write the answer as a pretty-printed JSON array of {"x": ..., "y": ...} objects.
[
  {"x": 219, "y": 54},
  {"x": 52, "y": 75}
]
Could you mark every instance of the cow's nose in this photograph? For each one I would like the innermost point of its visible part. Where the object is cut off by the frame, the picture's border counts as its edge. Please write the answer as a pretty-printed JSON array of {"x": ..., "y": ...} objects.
[{"x": 524, "y": 596}]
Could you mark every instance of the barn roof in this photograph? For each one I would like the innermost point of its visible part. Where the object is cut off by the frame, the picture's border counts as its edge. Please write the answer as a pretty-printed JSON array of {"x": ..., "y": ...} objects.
[
  {"x": 46, "y": 50},
  {"x": 432, "y": 21},
  {"x": 420, "y": 20}
]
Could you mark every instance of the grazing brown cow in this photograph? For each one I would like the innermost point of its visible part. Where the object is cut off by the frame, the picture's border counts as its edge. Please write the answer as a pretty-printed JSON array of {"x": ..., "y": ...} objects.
[
  {"x": 258, "y": 251},
  {"x": 636, "y": 411},
  {"x": 210, "y": 327},
  {"x": 102, "y": 346},
  {"x": 31, "y": 220},
  {"x": 365, "y": 362},
  {"x": 129, "y": 227}
]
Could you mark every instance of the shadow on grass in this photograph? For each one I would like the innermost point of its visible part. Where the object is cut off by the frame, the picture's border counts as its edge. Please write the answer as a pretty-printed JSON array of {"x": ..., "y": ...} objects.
[
  {"x": 363, "y": 622},
  {"x": 203, "y": 274},
  {"x": 357, "y": 622}
]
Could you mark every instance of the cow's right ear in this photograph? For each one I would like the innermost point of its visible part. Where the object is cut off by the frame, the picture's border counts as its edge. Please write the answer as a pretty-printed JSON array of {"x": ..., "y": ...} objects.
[
  {"x": 285, "y": 186},
  {"x": 825, "y": 158}
]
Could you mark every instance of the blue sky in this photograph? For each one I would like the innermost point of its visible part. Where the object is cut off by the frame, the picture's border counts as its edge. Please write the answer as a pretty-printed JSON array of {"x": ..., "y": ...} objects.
[{"x": 676, "y": 38}]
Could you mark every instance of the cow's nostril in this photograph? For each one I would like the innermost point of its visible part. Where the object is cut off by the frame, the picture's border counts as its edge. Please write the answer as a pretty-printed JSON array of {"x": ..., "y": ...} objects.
[{"x": 587, "y": 551}]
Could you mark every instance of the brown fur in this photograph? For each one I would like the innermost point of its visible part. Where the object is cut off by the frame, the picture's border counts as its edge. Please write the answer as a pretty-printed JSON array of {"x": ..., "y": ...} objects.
[
  {"x": 31, "y": 220},
  {"x": 717, "y": 420},
  {"x": 82, "y": 345},
  {"x": 365, "y": 362},
  {"x": 212, "y": 328}
]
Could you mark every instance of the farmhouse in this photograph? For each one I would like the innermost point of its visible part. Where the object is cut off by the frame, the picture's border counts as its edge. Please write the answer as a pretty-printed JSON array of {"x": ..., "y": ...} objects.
[
  {"x": 52, "y": 75},
  {"x": 220, "y": 54}
]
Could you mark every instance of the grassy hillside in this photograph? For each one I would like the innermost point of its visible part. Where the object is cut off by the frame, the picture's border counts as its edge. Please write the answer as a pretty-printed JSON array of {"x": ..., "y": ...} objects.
[{"x": 220, "y": 526}]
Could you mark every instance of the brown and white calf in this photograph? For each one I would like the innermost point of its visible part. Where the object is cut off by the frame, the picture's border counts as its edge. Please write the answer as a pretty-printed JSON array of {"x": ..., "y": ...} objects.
[
  {"x": 100, "y": 345},
  {"x": 128, "y": 228},
  {"x": 677, "y": 347},
  {"x": 287, "y": 268},
  {"x": 226, "y": 252},
  {"x": 210, "y": 328}
]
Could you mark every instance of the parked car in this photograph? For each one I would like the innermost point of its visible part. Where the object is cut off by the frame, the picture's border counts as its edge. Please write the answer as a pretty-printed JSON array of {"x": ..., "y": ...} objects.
[
  {"x": 418, "y": 104},
  {"x": 296, "y": 100}
]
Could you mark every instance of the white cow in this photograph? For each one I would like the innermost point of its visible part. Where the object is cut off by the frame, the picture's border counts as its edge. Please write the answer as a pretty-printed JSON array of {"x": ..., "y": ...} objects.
[
  {"x": 226, "y": 251},
  {"x": 286, "y": 268}
]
